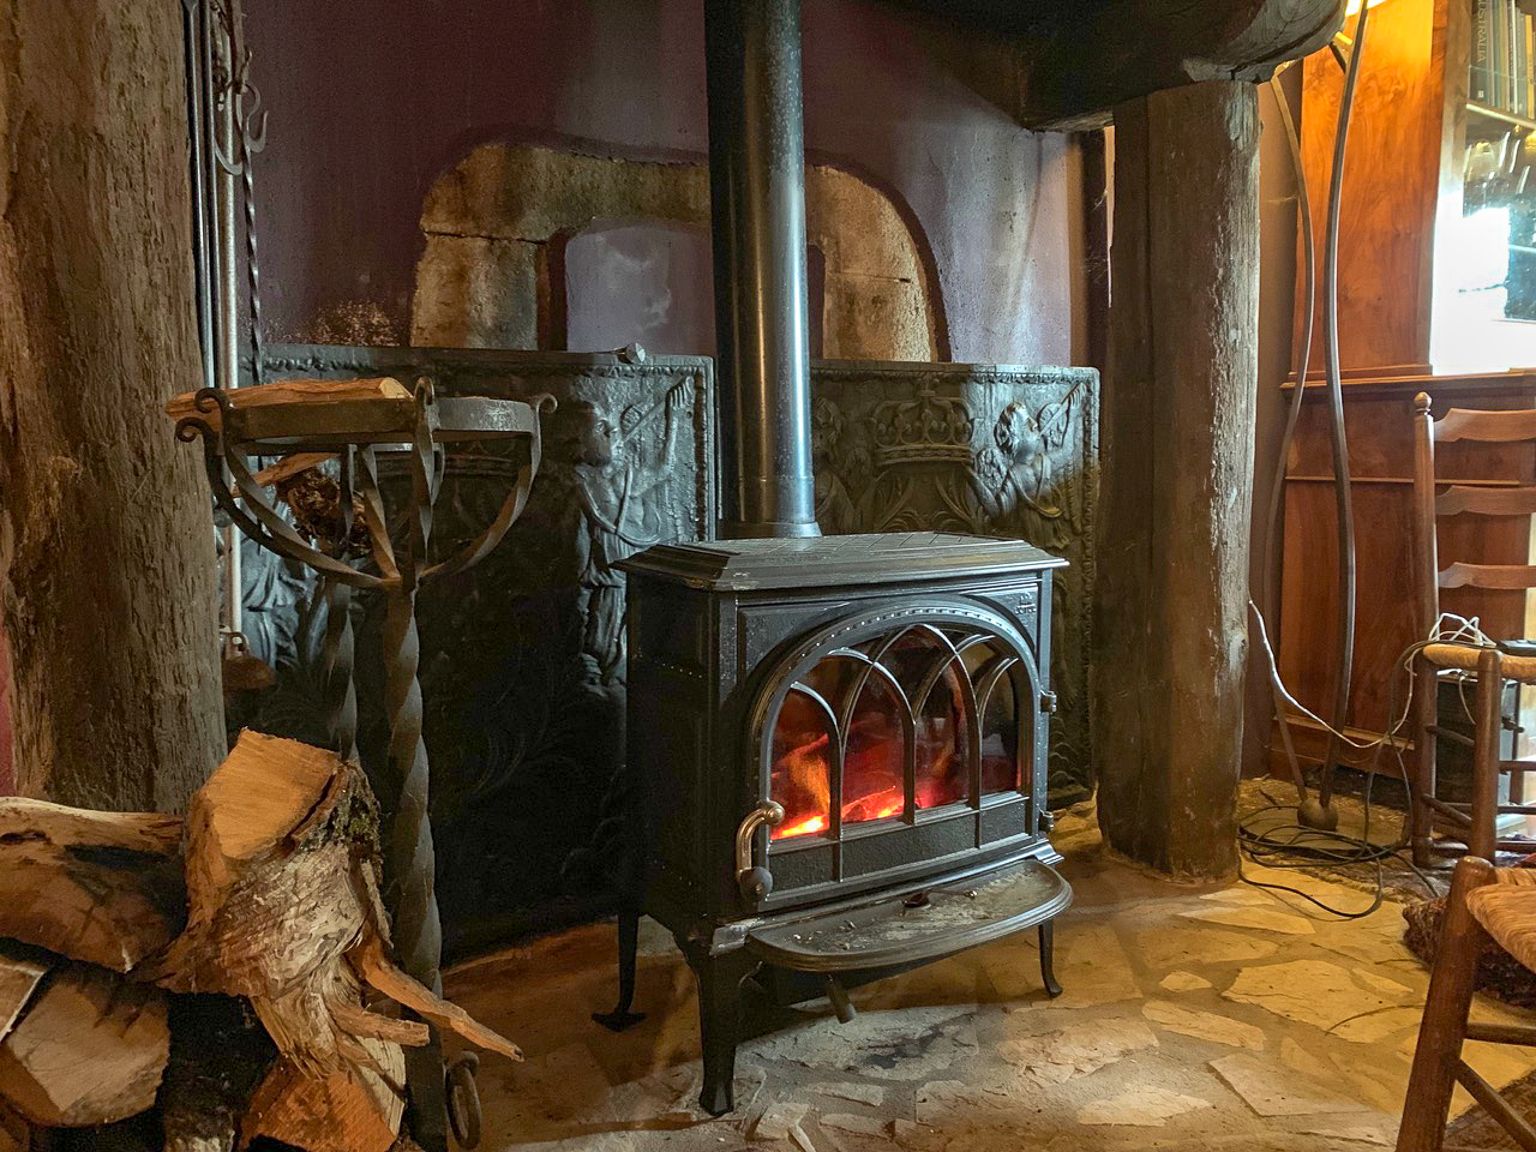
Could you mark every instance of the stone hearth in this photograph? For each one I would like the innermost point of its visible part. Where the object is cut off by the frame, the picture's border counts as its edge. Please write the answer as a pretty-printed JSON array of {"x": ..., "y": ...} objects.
[{"x": 1193, "y": 1018}]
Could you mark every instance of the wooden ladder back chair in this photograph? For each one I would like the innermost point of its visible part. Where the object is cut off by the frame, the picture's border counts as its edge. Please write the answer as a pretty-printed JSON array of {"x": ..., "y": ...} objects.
[
  {"x": 1475, "y": 824},
  {"x": 1484, "y": 902}
]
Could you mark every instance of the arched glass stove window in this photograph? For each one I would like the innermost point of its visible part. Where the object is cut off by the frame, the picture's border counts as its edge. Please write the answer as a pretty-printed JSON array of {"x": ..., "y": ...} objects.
[{"x": 915, "y": 719}]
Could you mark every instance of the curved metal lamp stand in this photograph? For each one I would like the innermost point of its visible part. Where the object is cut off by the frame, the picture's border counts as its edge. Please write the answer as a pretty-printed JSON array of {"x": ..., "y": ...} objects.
[{"x": 356, "y": 431}]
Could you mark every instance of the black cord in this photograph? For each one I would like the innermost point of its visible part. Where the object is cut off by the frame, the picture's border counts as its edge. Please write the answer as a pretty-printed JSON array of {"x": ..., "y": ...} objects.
[{"x": 1314, "y": 848}]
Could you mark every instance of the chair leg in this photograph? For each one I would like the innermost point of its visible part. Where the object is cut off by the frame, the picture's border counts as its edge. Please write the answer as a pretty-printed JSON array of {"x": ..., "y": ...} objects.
[
  {"x": 1489, "y": 717},
  {"x": 1421, "y": 817},
  {"x": 1444, "y": 1025}
]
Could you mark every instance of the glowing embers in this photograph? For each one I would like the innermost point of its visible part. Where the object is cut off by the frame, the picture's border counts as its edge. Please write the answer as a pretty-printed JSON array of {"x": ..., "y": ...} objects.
[{"x": 897, "y": 713}]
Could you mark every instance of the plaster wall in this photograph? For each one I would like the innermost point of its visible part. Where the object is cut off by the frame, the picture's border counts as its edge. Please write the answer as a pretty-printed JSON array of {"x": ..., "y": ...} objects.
[{"x": 370, "y": 103}]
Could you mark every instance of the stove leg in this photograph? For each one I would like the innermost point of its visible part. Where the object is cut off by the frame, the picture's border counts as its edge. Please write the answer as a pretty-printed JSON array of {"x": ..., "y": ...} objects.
[
  {"x": 719, "y": 979},
  {"x": 1048, "y": 958},
  {"x": 629, "y": 941}
]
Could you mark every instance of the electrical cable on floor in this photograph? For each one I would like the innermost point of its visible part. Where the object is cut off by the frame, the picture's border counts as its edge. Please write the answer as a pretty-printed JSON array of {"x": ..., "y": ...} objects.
[
  {"x": 1314, "y": 840},
  {"x": 1311, "y": 847}
]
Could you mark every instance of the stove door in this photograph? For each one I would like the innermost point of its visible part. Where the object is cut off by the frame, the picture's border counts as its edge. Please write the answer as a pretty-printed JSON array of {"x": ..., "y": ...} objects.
[{"x": 898, "y": 742}]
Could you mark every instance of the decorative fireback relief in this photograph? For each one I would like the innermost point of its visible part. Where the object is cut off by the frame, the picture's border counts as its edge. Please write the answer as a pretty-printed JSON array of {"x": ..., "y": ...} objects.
[
  {"x": 523, "y": 668},
  {"x": 840, "y": 747}
]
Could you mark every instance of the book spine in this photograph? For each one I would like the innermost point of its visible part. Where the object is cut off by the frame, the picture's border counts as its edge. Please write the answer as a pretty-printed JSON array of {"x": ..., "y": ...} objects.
[{"x": 1478, "y": 79}]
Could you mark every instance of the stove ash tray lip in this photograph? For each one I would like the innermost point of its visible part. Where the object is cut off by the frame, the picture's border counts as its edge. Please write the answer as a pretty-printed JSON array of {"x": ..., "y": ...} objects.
[{"x": 910, "y": 925}]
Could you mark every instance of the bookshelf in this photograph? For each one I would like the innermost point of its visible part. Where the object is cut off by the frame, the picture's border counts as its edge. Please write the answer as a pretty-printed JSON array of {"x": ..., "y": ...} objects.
[
  {"x": 1491, "y": 294},
  {"x": 1500, "y": 76}
]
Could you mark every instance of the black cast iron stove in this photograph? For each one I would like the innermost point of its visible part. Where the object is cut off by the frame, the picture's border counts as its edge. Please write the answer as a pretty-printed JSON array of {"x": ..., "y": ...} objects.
[
  {"x": 838, "y": 744},
  {"x": 840, "y": 749}
]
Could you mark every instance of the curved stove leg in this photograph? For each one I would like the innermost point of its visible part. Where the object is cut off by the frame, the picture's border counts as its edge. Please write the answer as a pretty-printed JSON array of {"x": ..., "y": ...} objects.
[
  {"x": 1048, "y": 958},
  {"x": 720, "y": 979},
  {"x": 629, "y": 941}
]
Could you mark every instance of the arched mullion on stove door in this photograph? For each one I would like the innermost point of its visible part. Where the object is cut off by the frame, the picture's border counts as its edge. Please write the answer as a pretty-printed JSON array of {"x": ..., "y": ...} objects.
[
  {"x": 835, "y": 754},
  {"x": 872, "y": 667},
  {"x": 949, "y": 656}
]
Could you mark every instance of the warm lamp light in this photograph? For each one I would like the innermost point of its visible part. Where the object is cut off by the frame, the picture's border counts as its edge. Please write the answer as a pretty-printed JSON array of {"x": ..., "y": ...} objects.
[{"x": 1353, "y": 7}]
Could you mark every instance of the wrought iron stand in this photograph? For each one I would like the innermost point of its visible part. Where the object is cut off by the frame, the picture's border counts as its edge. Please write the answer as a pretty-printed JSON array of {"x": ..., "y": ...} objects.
[{"x": 355, "y": 427}]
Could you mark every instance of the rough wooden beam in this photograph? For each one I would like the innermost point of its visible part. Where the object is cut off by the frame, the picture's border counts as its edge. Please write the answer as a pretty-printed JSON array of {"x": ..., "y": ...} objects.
[
  {"x": 1176, "y": 487},
  {"x": 1132, "y": 48},
  {"x": 1079, "y": 59},
  {"x": 106, "y": 537}
]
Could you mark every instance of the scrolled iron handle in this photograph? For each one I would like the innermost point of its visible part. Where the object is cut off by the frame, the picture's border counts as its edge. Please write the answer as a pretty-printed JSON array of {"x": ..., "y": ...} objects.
[{"x": 755, "y": 882}]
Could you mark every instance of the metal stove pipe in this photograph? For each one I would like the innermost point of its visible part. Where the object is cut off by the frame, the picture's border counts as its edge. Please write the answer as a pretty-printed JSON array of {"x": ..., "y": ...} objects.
[{"x": 762, "y": 333}]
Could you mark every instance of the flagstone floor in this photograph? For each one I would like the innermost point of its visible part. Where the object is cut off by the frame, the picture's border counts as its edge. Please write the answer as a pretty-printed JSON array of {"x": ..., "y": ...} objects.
[{"x": 1193, "y": 1018}]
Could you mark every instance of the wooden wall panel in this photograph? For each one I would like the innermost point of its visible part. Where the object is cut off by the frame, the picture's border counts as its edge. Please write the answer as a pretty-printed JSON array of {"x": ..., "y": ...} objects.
[
  {"x": 1392, "y": 180},
  {"x": 1378, "y": 417}
]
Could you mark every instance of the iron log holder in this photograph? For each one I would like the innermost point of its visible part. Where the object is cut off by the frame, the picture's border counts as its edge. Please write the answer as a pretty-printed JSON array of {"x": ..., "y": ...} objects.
[{"x": 355, "y": 432}]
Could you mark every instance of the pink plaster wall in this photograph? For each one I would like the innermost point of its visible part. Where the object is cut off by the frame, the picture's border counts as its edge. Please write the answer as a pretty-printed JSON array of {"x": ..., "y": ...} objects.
[{"x": 369, "y": 100}]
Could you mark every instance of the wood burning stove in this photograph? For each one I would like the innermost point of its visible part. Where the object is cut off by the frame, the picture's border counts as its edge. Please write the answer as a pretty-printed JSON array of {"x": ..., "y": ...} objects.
[
  {"x": 837, "y": 745},
  {"x": 839, "y": 748}
]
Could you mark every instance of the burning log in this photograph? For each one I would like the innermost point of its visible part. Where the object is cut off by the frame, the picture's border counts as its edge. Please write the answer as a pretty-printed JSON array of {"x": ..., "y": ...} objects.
[{"x": 267, "y": 892}]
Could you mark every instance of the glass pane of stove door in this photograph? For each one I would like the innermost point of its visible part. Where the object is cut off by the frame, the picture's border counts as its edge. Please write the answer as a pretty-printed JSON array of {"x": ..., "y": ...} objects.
[
  {"x": 802, "y": 767},
  {"x": 875, "y": 760},
  {"x": 1000, "y": 739},
  {"x": 929, "y": 674},
  {"x": 943, "y": 741}
]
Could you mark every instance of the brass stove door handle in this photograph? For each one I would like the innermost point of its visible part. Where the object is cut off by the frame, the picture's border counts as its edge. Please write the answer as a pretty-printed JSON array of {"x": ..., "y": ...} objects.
[{"x": 755, "y": 882}]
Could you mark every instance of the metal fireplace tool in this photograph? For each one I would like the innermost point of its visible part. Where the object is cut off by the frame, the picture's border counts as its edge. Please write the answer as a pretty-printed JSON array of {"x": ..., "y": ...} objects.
[{"x": 353, "y": 423}]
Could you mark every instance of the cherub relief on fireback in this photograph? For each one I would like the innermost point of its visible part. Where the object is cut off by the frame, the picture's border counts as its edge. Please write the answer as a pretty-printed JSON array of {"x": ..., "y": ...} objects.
[
  {"x": 622, "y": 478},
  {"x": 1026, "y": 485}
]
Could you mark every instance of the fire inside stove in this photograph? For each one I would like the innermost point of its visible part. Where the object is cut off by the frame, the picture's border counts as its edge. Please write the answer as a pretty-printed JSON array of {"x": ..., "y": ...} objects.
[{"x": 913, "y": 703}]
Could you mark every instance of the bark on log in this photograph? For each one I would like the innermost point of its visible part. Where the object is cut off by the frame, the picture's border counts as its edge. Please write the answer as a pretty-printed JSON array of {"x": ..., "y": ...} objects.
[
  {"x": 1176, "y": 485},
  {"x": 219, "y": 1054},
  {"x": 91, "y": 1050},
  {"x": 100, "y": 887},
  {"x": 106, "y": 539}
]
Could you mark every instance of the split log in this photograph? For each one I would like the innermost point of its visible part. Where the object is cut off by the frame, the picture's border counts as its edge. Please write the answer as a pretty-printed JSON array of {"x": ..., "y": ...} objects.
[
  {"x": 20, "y": 974},
  {"x": 90, "y": 1050},
  {"x": 219, "y": 1054},
  {"x": 357, "y": 1111},
  {"x": 372, "y": 961},
  {"x": 100, "y": 887},
  {"x": 282, "y": 889},
  {"x": 291, "y": 392},
  {"x": 276, "y": 842}
]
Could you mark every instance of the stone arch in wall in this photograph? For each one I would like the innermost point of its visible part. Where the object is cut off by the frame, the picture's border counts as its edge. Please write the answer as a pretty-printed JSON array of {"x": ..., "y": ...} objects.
[{"x": 497, "y": 223}]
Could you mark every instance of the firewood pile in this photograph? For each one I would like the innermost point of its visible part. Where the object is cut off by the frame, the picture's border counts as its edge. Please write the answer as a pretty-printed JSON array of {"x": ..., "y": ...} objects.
[{"x": 140, "y": 952}]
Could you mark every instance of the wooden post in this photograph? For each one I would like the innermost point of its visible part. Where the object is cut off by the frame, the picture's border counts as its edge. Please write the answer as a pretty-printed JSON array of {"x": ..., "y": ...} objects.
[
  {"x": 106, "y": 540},
  {"x": 1176, "y": 488}
]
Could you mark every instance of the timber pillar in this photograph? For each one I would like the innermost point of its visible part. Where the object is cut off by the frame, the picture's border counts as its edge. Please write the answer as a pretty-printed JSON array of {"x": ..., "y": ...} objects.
[
  {"x": 107, "y": 572},
  {"x": 1176, "y": 488}
]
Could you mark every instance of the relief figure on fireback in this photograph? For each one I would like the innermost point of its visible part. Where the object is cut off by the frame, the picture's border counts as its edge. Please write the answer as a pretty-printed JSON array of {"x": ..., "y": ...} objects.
[{"x": 621, "y": 475}]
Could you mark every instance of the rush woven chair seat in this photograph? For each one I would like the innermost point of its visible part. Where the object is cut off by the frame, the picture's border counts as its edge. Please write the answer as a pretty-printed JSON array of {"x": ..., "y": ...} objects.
[
  {"x": 1484, "y": 902},
  {"x": 1471, "y": 827}
]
